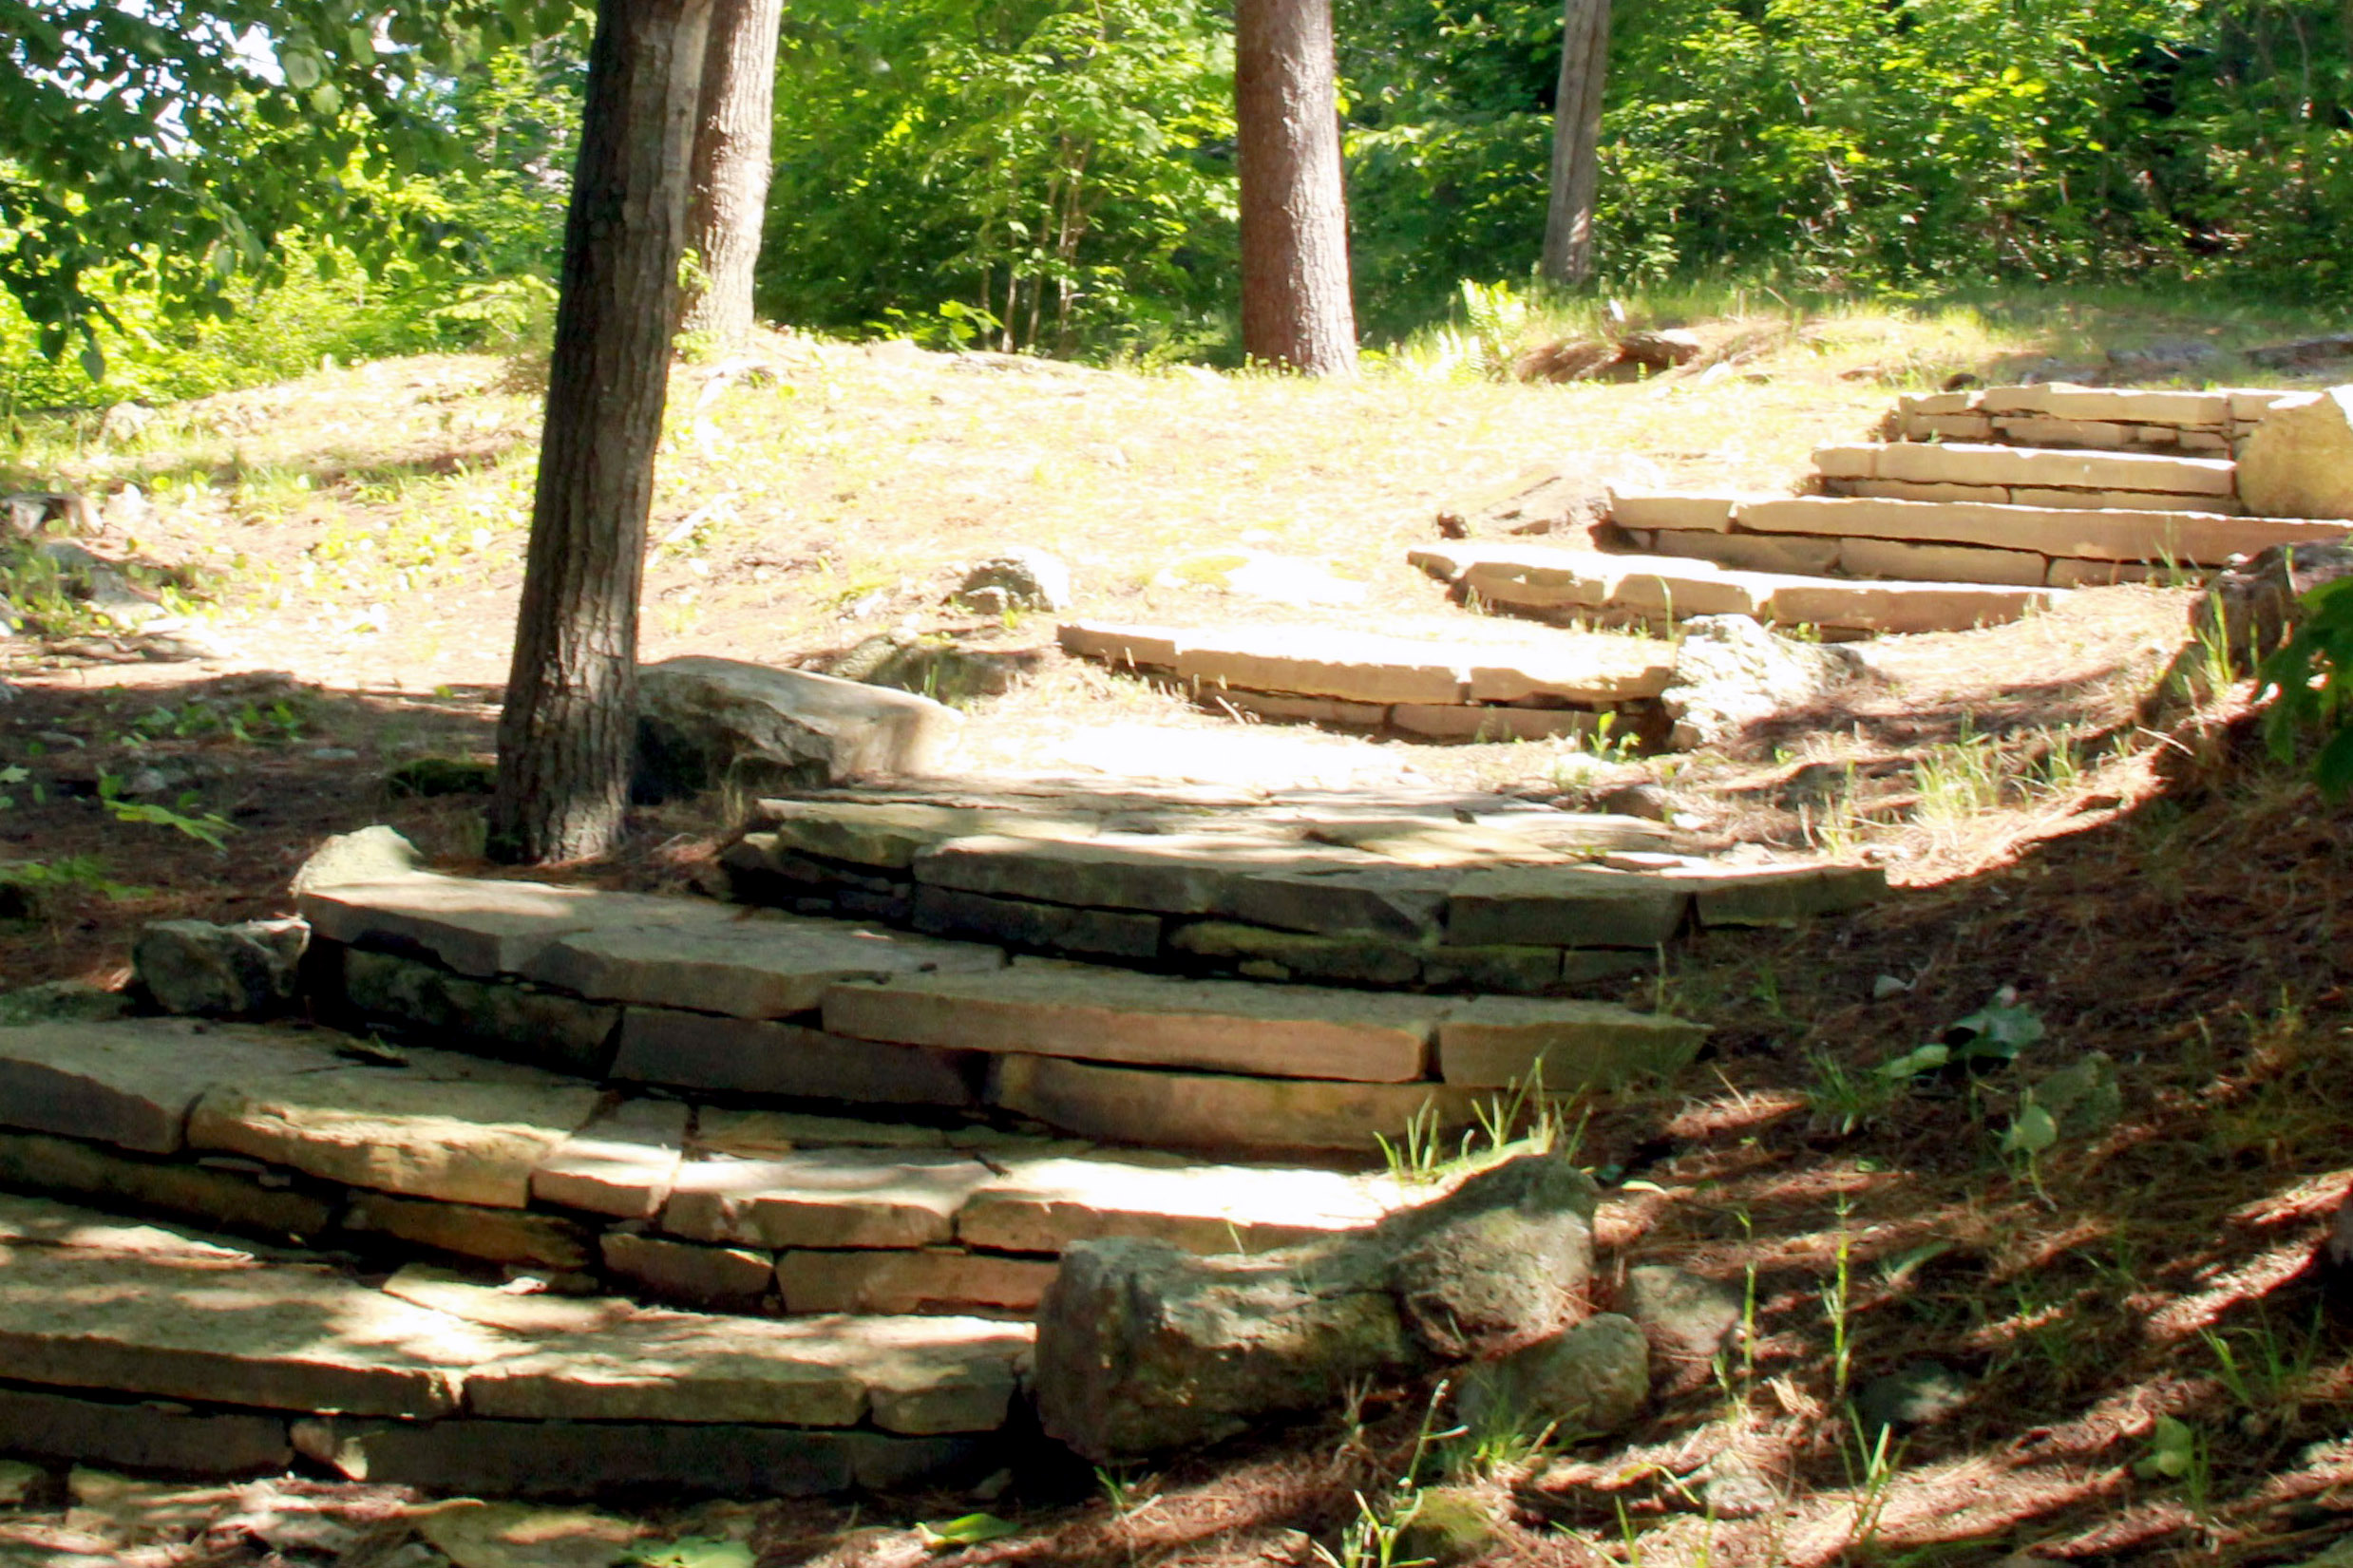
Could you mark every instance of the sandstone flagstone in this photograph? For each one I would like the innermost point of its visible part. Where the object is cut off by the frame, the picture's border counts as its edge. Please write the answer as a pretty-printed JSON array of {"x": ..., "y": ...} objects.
[
  {"x": 142, "y": 1435},
  {"x": 1563, "y": 907},
  {"x": 732, "y": 1278},
  {"x": 132, "y": 1083},
  {"x": 1115, "y": 1015},
  {"x": 760, "y": 965},
  {"x": 750, "y": 1056},
  {"x": 1966, "y": 463},
  {"x": 933, "y": 1279},
  {"x": 622, "y": 1163},
  {"x": 1217, "y": 1111},
  {"x": 1046, "y": 1205},
  {"x": 2138, "y": 535},
  {"x": 482, "y": 927},
  {"x": 233, "y": 1200},
  {"x": 888, "y": 835},
  {"x": 1163, "y": 873},
  {"x": 825, "y": 1198},
  {"x": 442, "y": 1125},
  {"x": 1493, "y": 1042},
  {"x": 283, "y": 1337}
]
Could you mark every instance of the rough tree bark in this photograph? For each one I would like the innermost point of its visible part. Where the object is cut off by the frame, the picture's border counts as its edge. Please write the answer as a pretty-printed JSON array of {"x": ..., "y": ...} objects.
[
  {"x": 1296, "y": 309},
  {"x": 566, "y": 734},
  {"x": 1576, "y": 142},
  {"x": 727, "y": 184}
]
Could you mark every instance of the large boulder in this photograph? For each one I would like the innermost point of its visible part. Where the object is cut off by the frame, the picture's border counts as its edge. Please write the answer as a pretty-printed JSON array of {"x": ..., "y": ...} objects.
[
  {"x": 1731, "y": 672},
  {"x": 246, "y": 970},
  {"x": 1142, "y": 1348},
  {"x": 1585, "y": 1381},
  {"x": 706, "y": 722},
  {"x": 2299, "y": 462}
]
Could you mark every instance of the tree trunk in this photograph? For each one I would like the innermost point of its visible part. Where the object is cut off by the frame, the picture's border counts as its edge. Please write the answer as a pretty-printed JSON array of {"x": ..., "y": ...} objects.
[
  {"x": 567, "y": 731},
  {"x": 1295, "y": 309},
  {"x": 1576, "y": 142},
  {"x": 727, "y": 192}
]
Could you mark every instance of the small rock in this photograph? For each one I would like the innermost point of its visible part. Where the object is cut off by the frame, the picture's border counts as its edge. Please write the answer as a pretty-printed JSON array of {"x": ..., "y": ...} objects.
[
  {"x": 1587, "y": 1381},
  {"x": 334, "y": 754},
  {"x": 1447, "y": 1525},
  {"x": 62, "y": 1001},
  {"x": 2252, "y": 608},
  {"x": 1646, "y": 801},
  {"x": 1739, "y": 1494},
  {"x": 1919, "y": 1394},
  {"x": 197, "y": 968},
  {"x": 1684, "y": 1316},
  {"x": 144, "y": 783},
  {"x": 371, "y": 855},
  {"x": 1731, "y": 672},
  {"x": 125, "y": 421},
  {"x": 1020, "y": 579},
  {"x": 19, "y": 1481},
  {"x": 1541, "y": 500},
  {"x": 126, "y": 506},
  {"x": 1886, "y": 986}
]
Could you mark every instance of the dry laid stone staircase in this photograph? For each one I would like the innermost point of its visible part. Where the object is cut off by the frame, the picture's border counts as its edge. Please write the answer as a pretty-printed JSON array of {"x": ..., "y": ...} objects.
[
  {"x": 554, "y": 1189},
  {"x": 1983, "y": 506}
]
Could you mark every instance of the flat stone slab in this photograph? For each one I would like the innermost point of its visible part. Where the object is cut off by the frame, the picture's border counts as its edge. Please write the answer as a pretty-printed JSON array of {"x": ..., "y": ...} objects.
[
  {"x": 1496, "y": 1042},
  {"x": 1961, "y": 462},
  {"x": 445, "y": 1126},
  {"x": 1570, "y": 907},
  {"x": 825, "y": 1199},
  {"x": 280, "y": 1337},
  {"x": 760, "y": 965},
  {"x": 1161, "y": 873},
  {"x": 1375, "y": 673},
  {"x": 482, "y": 927},
  {"x": 1115, "y": 1015},
  {"x": 1045, "y": 1205},
  {"x": 888, "y": 835},
  {"x": 623, "y": 1163},
  {"x": 1219, "y": 1111},
  {"x": 133, "y": 1082},
  {"x": 935, "y": 1279},
  {"x": 2200, "y": 538},
  {"x": 697, "y": 1051}
]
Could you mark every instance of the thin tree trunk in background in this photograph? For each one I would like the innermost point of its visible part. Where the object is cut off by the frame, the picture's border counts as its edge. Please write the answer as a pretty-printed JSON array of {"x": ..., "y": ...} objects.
[
  {"x": 727, "y": 193},
  {"x": 1296, "y": 309},
  {"x": 568, "y": 730},
  {"x": 1576, "y": 142}
]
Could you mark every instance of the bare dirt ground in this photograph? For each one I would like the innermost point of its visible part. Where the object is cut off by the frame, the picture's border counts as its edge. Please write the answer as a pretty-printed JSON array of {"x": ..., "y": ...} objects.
[{"x": 2142, "y": 1367}]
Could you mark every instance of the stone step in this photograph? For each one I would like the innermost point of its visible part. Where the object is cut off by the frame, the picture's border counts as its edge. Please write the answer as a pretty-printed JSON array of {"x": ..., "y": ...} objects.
[
  {"x": 1572, "y": 585},
  {"x": 2056, "y": 414},
  {"x": 2093, "y": 473},
  {"x": 263, "y": 1355},
  {"x": 1433, "y": 690},
  {"x": 2054, "y": 534},
  {"x": 425, "y": 1153}
]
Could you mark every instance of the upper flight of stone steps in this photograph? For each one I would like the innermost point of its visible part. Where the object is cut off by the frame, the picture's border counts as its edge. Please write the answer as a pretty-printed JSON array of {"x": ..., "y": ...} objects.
[{"x": 2042, "y": 487}]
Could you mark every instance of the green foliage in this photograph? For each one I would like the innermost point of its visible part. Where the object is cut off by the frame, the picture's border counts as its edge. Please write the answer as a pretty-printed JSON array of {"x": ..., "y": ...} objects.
[
  {"x": 1012, "y": 173},
  {"x": 183, "y": 141},
  {"x": 2309, "y": 678}
]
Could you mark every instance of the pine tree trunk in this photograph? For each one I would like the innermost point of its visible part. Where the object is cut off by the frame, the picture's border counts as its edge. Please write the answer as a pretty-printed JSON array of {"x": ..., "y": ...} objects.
[
  {"x": 1295, "y": 309},
  {"x": 727, "y": 199},
  {"x": 1577, "y": 142},
  {"x": 568, "y": 730}
]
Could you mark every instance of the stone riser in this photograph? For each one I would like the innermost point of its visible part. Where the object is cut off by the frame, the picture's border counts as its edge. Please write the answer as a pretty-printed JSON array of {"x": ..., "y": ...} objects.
[
  {"x": 2039, "y": 475},
  {"x": 2040, "y": 430},
  {"x": 1463, "y": 724},
  {"x": 2060, "y": 415},
  {"x": 1894, "y": 560},
  {"x": 482, "y": 1458},
  {"x": 2043, "y": 497}
]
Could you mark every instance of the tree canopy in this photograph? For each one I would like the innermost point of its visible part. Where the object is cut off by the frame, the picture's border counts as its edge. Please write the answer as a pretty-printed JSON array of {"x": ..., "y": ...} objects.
[{"x": 185, "y": 137}]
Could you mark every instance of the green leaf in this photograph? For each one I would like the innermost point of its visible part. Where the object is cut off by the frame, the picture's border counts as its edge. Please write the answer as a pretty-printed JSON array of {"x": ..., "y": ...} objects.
[
  {"x": 2031, "y": 1131},
  {"x": 970, "y": 1530},
  {"x": 1998, "y": 1030},
  {"x": 93, "y": 361},
  {"x": 1916, "y": 1061},
  {"x": 2172, "y": 1450},
  {"x": 303, "y": 69}
]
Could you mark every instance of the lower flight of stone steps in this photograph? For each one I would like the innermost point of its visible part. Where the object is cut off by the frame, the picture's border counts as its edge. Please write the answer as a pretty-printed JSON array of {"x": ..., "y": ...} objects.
[
  {"x": 1582, "y": 586},
  {"x": 689, "y": 994},
  {"x": 1420, "y": 689},
  {"x": 312, "y": 1137},
  {"x": 150, "y": 1347}
]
